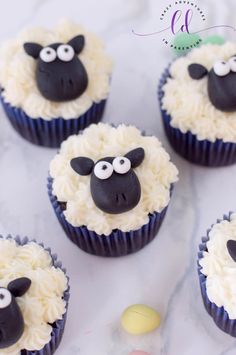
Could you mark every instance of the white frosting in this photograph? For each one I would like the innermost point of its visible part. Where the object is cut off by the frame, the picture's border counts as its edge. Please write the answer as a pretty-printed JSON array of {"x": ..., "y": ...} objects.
[
  {"x": 186, "y": 100},
  {"x": 43, "y": 303},
  {"x": 156, "y": 174},
  {"x": 219, "y": 268},
  {"x": 17, "y": 72}
]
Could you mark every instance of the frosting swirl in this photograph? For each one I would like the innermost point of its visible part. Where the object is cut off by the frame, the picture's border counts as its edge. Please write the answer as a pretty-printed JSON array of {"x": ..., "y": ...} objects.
[
  {"x": 156, "y": 174},
  {"x": 43, "y": 304},
  {"x": 219, "y": 268},
  {"x": 187, "y": 102},
  {"x": 17, "y": 72}
]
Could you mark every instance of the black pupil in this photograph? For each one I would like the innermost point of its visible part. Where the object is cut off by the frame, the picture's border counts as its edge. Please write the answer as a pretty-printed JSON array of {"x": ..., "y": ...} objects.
[
  {"x": 223, "y": 62},
  {"x": 104, "y": 167},
  {"x": 2, "y": 296},
  {"x": 48, "y": 52},
  {"x": 66, "y": 50},
  {"x": 122, "y": 161}
]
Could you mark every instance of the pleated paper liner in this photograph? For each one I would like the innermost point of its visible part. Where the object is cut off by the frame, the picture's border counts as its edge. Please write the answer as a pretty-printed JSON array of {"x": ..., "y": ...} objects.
[
  {"x": 204, "y": 152},
  {"x": 218, "y": 314},
  {"x": 116, "y": 244},
  {"x": 59, "y": 325},
  {"x": 53, "y": 132}
]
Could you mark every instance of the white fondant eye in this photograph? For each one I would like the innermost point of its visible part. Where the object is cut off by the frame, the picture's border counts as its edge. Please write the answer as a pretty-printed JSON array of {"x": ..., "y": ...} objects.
[
  {"x": 103, "y": 170},
  {"x": 221, "y": 68},
  {"x": 232, "y": 63},
  {"x": 65, "y": 52},
  {"x": 5, "y": 298},
  {"x": 48, "y": 54},
  {"x": 121, "y": 165}
]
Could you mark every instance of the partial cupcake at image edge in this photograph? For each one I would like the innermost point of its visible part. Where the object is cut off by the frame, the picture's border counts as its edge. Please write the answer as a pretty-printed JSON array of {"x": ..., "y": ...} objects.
[
  {"x": 34, "y": 296},
  {"x": 55, "y": 82},
  {"x": 110, "y": 188},
  {"x": 216, "y": 270},
  {"x": 198, "y": 104}
]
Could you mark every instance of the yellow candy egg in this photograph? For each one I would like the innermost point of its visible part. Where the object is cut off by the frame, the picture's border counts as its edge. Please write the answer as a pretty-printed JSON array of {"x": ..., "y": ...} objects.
[{"x": 140, "y": 319}]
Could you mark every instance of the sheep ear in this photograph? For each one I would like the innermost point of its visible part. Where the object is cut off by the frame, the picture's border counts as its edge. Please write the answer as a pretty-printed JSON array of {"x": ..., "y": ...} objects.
[
  {"x": 77, "y": 43},
  {"x": 136, "y": 157},
  {"x": 231, "y": 246},
  {"x": 197, "y": 71},
  {"x": 19, "y": 287},
  {"x": 82, "y": 165},
  {"x": 32, "y": 49}
]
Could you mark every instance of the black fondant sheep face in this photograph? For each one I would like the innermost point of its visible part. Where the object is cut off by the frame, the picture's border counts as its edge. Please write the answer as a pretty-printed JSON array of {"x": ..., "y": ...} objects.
[
  {"x": 11, "y": 319},
  {"x": 115, "y": 188},
  {"x": 60, "y": 75},
  {"x": 221, "y": 83}
]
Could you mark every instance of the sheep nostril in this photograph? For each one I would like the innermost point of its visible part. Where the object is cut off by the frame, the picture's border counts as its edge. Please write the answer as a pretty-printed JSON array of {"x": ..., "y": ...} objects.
[
  {"x": 121, "y": 198},
  {"x": 124, "y": 197},
  {"x": 71, "y": 83}
]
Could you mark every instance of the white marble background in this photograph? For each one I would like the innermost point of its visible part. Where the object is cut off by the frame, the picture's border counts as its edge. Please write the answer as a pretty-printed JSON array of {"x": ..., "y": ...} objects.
[{"x": 164, "y": 274}]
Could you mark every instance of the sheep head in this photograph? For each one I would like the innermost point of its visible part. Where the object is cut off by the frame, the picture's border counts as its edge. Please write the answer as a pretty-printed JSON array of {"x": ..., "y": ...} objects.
[
  {"x": 114, "y": 185},
  {"x": 11, "y": 318},
  {"x": 221, "y": 82},
  {"x": 60, "y": 75}
]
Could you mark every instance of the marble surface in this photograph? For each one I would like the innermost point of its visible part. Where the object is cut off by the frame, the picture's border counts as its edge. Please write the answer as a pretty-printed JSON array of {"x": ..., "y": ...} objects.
[{"x": 164, "y": 274}]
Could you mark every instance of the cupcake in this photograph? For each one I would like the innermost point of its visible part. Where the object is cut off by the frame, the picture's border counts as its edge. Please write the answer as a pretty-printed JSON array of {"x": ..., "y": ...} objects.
[
  {"x": 110, "y": 188},
  {"x": 217, "y": 270},
  {"x": 34, "y": 295},
  {"x": 197, "y": 95},
  {"x": 54, "y": 82}
]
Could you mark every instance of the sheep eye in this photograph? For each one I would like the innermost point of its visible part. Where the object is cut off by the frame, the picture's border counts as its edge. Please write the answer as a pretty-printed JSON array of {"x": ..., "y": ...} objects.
[
  {"x": 221, "y": 68},
  {"x": 5, "y": 298},
  {"x": 232, "y": 64},
  {"x": 65, "y": 52},
  {"x": 103, "y": 170},
  {"x": 48, "y": 54},
  {"x": 121, "y": 165}
]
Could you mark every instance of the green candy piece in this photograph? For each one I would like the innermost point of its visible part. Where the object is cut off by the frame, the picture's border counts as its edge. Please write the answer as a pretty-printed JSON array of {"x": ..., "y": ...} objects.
[
  {"x": 215, "y": 39},
  {"x": 184, "y": 42}
]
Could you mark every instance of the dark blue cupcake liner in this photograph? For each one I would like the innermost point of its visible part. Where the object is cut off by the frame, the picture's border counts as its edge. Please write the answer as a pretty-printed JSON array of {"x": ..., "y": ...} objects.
[
  {"x": 219, "y": 315},
  {"x": 59, "y": 325},
  {"x": 202, "y": 152},
  {"x": 117, "y": 243},
  {"x": 53, "y": 132}
]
